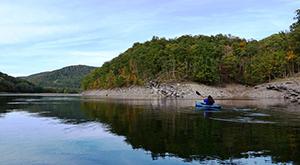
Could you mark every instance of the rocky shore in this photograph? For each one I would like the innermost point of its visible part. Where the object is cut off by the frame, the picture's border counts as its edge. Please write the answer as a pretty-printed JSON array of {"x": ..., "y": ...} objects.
[{"x": 283, "y": 89}]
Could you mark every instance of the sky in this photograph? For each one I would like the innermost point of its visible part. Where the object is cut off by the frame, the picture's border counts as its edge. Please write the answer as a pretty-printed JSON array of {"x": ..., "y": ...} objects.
[{"x": 45, "y": 35}]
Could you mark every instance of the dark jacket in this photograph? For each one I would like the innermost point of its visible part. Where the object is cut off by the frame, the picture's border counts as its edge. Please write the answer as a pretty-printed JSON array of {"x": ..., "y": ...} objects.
[{"x": 207, "y": 102}]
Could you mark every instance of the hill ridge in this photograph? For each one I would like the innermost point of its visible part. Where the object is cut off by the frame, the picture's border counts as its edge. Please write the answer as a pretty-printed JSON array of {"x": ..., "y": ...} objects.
[
  {"x": 66, "y": 80},
  {"x": 13, "y": 84}
]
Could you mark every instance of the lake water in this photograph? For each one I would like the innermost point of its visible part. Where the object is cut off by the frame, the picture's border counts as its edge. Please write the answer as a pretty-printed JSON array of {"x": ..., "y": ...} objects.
[{"x": 60, "y": 130}]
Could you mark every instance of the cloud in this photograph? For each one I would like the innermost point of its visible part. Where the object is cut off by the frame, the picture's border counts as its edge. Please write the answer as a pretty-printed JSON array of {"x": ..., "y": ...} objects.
[
  {"x": 93, "y": 58},
  {"x": 45, "y": 35},
  {"x": 75, "y": 58},
  {"x": 68, "y": 41},
  {"x": 94, "y": 53},
  {"x": 24, "y": 21},
  {"x": 22, "y": 34}
]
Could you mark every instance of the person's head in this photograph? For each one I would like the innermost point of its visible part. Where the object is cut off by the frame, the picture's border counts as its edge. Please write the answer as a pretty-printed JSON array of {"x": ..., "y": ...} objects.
[{"x": 210, "y": 99}]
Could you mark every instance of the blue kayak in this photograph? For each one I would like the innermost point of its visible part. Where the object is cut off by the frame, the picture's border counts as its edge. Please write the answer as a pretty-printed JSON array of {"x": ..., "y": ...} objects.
[{"x": 201, "y": 104}]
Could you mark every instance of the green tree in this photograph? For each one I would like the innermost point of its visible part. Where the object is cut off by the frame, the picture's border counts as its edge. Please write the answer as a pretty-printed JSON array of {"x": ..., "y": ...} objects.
[
  {"x": 205, "y": 67},
  {"x": 229, "y": 67},
  {"x": 296, "y": 24}
]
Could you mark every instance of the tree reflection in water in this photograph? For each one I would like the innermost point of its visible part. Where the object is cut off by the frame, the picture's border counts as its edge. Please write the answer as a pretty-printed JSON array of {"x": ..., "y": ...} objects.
[
  {"x": 164, "y": 130},
  {"x": 169, "y": 131}
]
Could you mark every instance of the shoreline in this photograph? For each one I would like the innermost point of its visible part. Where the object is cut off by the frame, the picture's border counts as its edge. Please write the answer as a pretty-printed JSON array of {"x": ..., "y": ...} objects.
[
  {"x": 285, "y": 89},
  {"x": 276, "y": 90},
  {"x": 38, "y": 94}
]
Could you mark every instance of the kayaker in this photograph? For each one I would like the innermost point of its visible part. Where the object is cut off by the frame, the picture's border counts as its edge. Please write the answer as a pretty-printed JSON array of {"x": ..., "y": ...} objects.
[{"x": 209, "y": 100}]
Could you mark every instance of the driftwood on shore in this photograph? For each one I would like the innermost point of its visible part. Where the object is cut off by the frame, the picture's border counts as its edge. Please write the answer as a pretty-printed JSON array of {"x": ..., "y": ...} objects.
[
  {"x": 167, "y": 90},
  {"x": 278, "y": 90},
  {"x": 291, "y": 93}
]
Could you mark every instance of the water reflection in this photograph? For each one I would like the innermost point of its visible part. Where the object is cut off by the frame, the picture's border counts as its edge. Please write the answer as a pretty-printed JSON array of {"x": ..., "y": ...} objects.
[
  {"x": 66, "y": 108},
  {"x": 243, "y": 130},
  {"x": 171, "y": 132}
]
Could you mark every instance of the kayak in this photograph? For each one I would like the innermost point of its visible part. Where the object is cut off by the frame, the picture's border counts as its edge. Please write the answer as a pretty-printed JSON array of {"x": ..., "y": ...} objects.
[{"x": 203, "y": 105}]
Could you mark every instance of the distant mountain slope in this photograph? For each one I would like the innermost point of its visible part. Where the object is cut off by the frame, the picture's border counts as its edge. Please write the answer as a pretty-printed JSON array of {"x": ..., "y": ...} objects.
[
  {"x": 12, "y": 84},
  {"x": 66, "y": 79}
]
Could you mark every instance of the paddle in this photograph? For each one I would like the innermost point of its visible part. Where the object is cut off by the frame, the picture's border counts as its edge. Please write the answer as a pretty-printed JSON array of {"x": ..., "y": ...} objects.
[{"x": 199, "y": 94}]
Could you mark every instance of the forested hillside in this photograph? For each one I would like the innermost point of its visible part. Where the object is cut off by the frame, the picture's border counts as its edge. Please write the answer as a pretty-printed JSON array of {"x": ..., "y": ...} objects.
[
  {"x": 65, "y": 80},
  {"x": 204, "y": 59},
  {"x": 12, "y": 84}
]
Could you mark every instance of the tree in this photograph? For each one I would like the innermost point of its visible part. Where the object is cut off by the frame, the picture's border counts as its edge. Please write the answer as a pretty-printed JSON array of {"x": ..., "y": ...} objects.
[
  {"x": 296, "y": 24},
  {"x": 204, "y": 59},
  {"x": 290, "y": 56},
  {"x": 229, "y": 66},
  {"x": 205, "y": 67}
]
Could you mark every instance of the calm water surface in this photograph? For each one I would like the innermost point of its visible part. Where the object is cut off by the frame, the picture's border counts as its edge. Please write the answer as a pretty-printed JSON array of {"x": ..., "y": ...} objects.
[{"x": 59, "y": 130}]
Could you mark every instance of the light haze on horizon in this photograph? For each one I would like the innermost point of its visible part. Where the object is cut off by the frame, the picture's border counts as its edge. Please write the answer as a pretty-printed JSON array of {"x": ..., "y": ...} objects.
[{"x": 45, "y": 35}]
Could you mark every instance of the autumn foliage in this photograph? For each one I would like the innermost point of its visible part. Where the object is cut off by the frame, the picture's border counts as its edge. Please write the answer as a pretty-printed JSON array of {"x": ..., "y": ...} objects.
[{"x": 205, "y": 59}]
